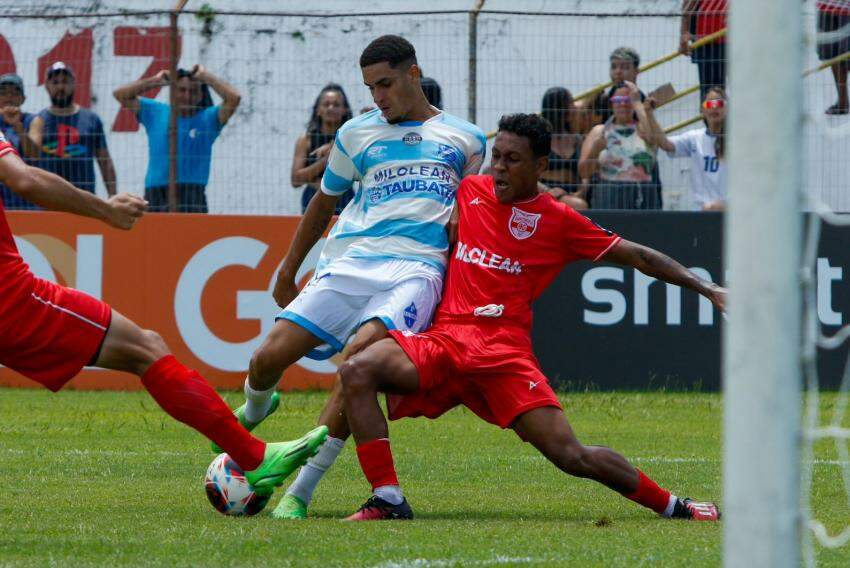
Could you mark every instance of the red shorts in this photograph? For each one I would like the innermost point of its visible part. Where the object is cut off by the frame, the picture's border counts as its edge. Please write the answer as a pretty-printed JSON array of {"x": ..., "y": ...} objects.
[
  {"x": 48, "y": 333},
  {"x": 486, "y": 367}
]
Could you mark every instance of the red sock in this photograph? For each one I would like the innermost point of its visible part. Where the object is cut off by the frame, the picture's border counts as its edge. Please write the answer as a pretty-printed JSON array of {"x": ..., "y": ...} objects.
[
  {"x": 376, "y": 461},
  {"x": 187, "y": 397},
  {"x": 649, "y": 494}
]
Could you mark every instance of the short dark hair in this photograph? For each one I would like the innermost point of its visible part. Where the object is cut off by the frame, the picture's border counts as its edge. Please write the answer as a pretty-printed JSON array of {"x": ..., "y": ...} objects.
[
  {"x": 532, "y": 126},
  {"x": 391, "y": 49}
]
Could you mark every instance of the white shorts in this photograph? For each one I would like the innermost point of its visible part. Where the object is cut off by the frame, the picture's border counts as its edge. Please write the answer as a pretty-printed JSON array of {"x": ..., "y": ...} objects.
[{"x": 333, "y": 306}]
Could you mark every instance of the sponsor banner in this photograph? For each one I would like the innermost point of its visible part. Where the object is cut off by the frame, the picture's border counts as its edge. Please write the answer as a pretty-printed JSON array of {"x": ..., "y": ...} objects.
[
  {"x": 203, "y": 282},
  {"x": 608, "y": 327}
]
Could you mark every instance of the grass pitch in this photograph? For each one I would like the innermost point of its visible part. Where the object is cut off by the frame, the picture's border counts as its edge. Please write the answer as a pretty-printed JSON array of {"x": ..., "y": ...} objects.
[{"x": 107, "y": 479}]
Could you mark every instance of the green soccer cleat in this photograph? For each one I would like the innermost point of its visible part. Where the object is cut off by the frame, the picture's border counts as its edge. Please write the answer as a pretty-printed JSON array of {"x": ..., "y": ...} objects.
[
  {"x": 290, "y": 507},
  {"x": 240, "y": 415},
  {"x": 282, "y": 458}
]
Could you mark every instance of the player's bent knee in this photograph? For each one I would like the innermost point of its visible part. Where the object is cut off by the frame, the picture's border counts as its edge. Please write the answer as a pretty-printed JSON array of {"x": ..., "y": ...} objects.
[
  {"x": 155, "y": 344},
  {"x": 264, "y": 363},
  {"x": 149, "y": 349},
  {"x": 357, "y": 376}
]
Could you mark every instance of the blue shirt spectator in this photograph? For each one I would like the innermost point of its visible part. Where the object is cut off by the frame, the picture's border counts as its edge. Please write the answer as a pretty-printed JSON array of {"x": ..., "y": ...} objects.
[
  {"x": 198, "y": 125},
  {"x": 14, "y": 124},
  {"x": 195, "y": 136},
  {"x": 12, "y": 200}
]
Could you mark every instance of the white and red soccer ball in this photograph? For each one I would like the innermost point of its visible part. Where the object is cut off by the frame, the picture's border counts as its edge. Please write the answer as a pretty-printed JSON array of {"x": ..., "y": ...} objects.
[{"x": 229, "y": 491}]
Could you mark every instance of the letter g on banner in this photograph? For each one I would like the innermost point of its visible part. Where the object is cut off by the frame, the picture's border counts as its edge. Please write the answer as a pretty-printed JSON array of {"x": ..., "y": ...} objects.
[
  {"x": 208, "y": 347},
  {"x": 250, "y": 304}
]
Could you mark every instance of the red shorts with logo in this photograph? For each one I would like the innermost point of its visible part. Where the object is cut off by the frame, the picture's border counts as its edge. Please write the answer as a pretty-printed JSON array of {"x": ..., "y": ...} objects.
[
  {"x": 48, "y": 333},
  {"x": 487, "y": 367}
]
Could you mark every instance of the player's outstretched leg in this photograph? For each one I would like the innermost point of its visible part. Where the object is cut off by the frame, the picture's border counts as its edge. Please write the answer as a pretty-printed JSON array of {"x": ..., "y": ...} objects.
[
  {"x": 187, "y": 397},
  {"x": 293, "y": 505},
  {"x": 548, "y": 430},
  {"x": 285, "y": 344},
  {"x": 384, "y": 367}
]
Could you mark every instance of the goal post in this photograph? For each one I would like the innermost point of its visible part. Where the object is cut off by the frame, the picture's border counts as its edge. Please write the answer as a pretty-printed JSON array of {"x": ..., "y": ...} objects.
[{"x": 762, "y": 341}]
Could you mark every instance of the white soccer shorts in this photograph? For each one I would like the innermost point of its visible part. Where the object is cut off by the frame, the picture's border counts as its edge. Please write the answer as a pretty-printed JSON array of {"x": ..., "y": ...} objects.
[{"x": 334, "y": 306}]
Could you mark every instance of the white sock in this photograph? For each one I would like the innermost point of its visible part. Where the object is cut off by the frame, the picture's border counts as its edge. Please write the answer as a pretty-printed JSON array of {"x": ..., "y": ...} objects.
[
  {"x": 390, "y": 493},
  {"x": 258, "y": 402},
  {"x": 671, "y": 504},
  {"x": 312, "y": 472}
]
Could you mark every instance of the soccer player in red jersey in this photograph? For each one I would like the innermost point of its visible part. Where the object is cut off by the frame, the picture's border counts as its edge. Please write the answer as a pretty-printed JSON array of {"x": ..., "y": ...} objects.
[
  {"x": 512, "y": 242},
  {"x": 48, "y": 333}
]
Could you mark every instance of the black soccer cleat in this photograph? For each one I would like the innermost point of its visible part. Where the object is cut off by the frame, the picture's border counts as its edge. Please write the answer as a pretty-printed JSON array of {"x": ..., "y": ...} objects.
[
  {"x": 691, "y": 510},
  {"x": 376, "y": 509}
]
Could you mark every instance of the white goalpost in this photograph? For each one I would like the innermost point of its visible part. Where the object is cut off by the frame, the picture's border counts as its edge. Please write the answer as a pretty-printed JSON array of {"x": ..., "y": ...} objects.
[{"x": 762, "y": 342}]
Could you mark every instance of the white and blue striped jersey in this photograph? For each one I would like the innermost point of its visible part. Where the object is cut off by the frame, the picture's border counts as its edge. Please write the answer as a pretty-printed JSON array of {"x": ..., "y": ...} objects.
[{"x": 408, "y": 173}]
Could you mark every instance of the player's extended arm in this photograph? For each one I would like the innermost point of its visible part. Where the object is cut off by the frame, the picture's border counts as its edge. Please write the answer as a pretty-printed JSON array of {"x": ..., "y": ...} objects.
[
  {"x": 660, "y": 266},
  {"x": 52, "y": 192},
  {"x": 309, "y": 231}
]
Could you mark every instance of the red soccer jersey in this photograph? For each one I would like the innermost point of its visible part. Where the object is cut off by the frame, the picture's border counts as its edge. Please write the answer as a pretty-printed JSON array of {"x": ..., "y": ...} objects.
[
  {"x": 12, "y": 267},
  {"x": 506, "y": 255}
]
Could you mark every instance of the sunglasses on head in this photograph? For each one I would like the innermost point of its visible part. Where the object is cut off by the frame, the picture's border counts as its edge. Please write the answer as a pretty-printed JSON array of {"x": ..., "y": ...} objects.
[
  {"x": 714, "y": 103},
  {"x": 621, "y": 99}
]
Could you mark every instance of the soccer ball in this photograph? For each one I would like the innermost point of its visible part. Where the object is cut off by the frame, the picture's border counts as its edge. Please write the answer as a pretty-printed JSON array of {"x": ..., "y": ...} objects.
[{"x": 229, "y": 491}]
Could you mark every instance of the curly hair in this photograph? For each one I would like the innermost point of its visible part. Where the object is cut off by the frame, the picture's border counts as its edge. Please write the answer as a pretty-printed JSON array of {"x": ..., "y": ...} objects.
[{"x": 532, "y": 126}]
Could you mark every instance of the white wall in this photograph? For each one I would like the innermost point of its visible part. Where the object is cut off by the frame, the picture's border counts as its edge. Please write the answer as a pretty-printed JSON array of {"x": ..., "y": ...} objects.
[{"x": 280, "y": 63}]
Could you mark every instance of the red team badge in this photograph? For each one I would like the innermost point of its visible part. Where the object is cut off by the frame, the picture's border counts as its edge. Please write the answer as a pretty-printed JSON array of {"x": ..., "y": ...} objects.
[{"x": 522, "y": 224}]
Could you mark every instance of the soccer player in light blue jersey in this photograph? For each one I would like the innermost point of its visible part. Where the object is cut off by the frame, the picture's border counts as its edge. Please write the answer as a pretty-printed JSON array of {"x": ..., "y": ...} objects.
[{"x": 382, "y": 265}]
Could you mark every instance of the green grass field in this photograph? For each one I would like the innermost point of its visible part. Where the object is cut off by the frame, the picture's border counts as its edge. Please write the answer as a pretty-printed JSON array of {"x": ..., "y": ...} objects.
[{"x": 107, "y": 479}]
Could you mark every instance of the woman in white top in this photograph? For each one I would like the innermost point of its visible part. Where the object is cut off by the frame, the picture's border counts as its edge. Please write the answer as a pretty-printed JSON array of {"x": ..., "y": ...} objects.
[{"x": 705, "y": 147}]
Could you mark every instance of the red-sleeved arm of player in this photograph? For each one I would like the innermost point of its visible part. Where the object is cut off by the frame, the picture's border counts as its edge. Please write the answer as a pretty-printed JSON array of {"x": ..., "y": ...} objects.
[{"x": 584, "y": 239}]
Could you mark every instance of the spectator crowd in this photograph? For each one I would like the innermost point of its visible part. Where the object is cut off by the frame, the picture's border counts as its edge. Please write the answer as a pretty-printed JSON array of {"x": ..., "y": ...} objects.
[{"x": 605, "y": 146}]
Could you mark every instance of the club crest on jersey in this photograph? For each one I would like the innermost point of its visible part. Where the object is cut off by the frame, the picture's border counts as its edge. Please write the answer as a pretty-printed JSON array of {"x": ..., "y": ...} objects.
[
  {"x": 412, "y": 138},
  {"x": 523, "y": 224},
  {"x": 410, "y": 315},
  {"x": 447, "y": 153}
]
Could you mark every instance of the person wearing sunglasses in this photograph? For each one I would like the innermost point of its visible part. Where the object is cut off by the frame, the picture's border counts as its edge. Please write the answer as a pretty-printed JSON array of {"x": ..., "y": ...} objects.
[
  {"x": 621, "y": 153},
  {"x": 705, "y": 147}
]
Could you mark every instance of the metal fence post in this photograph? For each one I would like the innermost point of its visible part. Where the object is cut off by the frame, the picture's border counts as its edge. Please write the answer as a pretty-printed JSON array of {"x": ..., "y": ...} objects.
[{"x": 172, "y": 99}]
